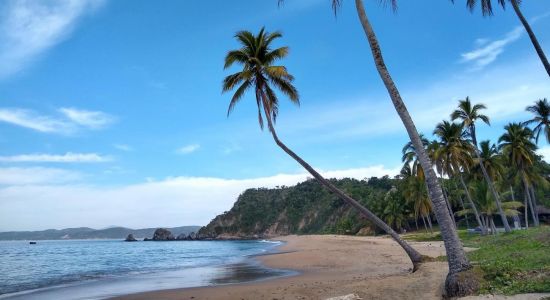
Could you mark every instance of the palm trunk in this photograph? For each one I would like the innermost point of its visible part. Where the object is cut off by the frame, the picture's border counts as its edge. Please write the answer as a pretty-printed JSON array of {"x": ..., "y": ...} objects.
[
  {"x": 465, "y": 214},
  {"x": 474, "y": 208},
  {"x": 494, "y": 228},
  {"x": 414, "y": 255},
  {"x": 446, "y": 197},
  {"x": 529, "y": 200},
  {"x": 534, "y": 199},
  {"x": 424, "y": 221},
  {"x": 532, "y": 36},
  {"x": 490, "y": 182},
  {"x": 525, "y": 210},
  {"x": 455, "y": 285},
  {"x": 429, "y": 218}
]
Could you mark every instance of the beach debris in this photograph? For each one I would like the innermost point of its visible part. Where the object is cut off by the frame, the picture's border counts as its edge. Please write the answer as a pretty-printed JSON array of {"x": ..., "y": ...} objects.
[{"x": 346, "y": 297}]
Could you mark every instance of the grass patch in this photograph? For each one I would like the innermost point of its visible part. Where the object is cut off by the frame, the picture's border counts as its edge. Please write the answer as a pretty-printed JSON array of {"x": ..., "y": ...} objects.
[{"x": 511, "y": 263}]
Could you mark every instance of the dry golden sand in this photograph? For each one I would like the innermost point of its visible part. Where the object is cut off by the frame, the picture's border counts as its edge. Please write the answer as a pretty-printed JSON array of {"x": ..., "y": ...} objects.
[{"x": 333, "y": 266}]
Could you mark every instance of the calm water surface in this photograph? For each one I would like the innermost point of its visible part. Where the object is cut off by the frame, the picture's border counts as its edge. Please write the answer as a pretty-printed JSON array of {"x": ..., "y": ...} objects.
[{"x": 96, "y": 269}]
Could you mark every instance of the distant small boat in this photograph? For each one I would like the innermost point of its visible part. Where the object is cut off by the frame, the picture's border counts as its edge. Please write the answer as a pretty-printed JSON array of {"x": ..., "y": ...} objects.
[{"x": 32, "y": 243}]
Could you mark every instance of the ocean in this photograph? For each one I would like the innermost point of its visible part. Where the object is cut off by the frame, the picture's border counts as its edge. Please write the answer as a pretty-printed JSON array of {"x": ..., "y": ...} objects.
[{"x": 98, "y": 269}]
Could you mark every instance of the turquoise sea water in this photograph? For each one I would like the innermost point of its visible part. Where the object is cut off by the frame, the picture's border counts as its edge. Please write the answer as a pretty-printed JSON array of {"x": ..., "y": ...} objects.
[{"x": 96, "y": 269}]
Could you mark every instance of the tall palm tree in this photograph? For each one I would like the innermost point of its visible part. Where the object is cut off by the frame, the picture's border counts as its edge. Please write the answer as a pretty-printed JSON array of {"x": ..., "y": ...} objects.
[
  {"x": 415, "y": 192},
  {"x": 469, "y": 115},
  {"x": 455, "y": 152},
  {"x": 517, "y": 146},
  {"x": 260, "y": 73},
  {"x": 455, "y": 284},
  {"x": 541, "y": 112},
  {"x": 487, "y": 10}
]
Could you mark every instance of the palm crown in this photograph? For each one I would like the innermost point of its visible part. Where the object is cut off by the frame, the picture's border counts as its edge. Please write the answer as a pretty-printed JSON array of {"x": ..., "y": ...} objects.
[
  {"x": 516, "y": 144},
  {"x": 469, "y": 114},
  {"x": 541, "y": 112},
  {"x": 259, "y": 72}
]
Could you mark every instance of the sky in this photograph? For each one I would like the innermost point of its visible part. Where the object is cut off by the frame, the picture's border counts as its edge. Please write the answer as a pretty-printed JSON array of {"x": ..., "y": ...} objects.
[{"x": 111, "y": 112}]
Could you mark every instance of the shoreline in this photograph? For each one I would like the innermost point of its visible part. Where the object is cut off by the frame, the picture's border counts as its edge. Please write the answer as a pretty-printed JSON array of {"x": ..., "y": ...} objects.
[{"x": 330, "y": 266}]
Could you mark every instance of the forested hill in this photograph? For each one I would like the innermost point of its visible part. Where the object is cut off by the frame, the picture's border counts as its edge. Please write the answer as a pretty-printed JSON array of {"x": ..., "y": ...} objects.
[
  {"x": 89, "y": 233},
  {"x": 306, "y": 208}
]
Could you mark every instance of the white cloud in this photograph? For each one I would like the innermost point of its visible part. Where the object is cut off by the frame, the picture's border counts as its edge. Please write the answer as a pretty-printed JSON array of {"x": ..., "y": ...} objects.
[
  {"x": 87, "y": 118},
  {"x": 171, "y": 202},
  {"x": 36, "y": 175},
  {"x": 70, "y": 121},
  {"x": 188, "y": 149},
  {"x": 29, "y": 119},
  {"x": 487, "y": 52},
  {"x": 505, "y": 89},
  {"x": 545, "y": 152},
  {"x": 29, "y": 28},
  {"x": 124, "y": 147},
  {"x": 68, "y": 157}
]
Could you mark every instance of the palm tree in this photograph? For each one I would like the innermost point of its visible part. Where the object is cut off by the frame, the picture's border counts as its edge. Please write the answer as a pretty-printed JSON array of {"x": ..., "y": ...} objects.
[
  {"x": 487, "y": 10},
  {"x": 260, "y": 73},
  {"x": 469, "y": 115},
  {"x": 541, "y": 112},
  {"x": 455, "y": 284},
  {"x": 455, "y": 152},
  {"x": 517, "y": 146},
  {"x": 415, "y": 192},
  {"x": 487, "y": 207}
]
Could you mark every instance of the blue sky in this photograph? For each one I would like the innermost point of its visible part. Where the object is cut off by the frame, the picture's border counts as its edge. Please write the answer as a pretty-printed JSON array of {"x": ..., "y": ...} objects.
[{"x": 111, "y": 112}]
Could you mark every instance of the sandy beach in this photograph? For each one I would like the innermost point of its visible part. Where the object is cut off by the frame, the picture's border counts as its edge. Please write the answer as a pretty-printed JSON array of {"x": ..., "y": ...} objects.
[{"x": 333, "y": 266}]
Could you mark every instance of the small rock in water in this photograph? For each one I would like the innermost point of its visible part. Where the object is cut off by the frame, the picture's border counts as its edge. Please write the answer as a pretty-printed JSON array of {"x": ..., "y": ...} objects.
[
  {"x": 130, "y": 238},
  {"x": 32, "y": 243}
]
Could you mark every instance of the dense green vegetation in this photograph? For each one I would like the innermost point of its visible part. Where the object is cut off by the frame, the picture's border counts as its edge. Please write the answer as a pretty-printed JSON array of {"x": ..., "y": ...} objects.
[{"x": 512, "y": 263}]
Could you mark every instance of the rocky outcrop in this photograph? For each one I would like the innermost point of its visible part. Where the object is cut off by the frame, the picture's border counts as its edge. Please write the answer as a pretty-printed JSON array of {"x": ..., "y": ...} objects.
[
  {"x": 130, "y": 238},
  {"x": 162, "y": 234}
]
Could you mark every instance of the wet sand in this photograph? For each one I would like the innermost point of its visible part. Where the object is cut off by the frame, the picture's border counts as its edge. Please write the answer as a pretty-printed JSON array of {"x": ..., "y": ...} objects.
[{"x": 333, "y": 266}]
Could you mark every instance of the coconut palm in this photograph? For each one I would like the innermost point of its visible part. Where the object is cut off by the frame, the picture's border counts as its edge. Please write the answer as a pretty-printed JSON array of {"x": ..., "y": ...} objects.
[
  {"x": 455, "y": 284},
  {"x": 415, "y": 192},
  {"x": 518, "y": 148},
  {"x": 469, "y": 115},
  {"x": 487, "y": 207},
  {"x": 455, "y": 151},
  {"x": 259, "y": 73},
  {"x": 487, "y": 10},
  {"x": 541, "y": 118}
]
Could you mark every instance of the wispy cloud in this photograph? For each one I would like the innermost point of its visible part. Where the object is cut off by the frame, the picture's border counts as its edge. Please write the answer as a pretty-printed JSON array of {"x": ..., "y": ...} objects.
[
  {"x": 124, "y": 147},
  {"x": 86, "y": 118},
  {"x": 188, "y": 149},
  {"x": 69, "y": 121},
  {"x": 192, "y": 200},
  {"x": 28, "y": 28},
  {"x": 68, "y": 157},
  {"x": 37, "y": 175},
  {"x": 488, "y": 51},
  {"x": 32, "y": 120}
]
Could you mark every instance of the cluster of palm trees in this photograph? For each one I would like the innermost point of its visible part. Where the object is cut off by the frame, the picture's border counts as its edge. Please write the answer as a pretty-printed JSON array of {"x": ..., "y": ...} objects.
[
  {"x": 261, "y": 75},
  {"x": 487, "y": 175}
]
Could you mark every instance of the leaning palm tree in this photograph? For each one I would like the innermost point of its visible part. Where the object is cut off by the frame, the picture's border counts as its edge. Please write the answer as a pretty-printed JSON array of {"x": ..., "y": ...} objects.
[
  {"x": 455, "y": 152},
  {"x": 469, "y": 115},
  {"x": 487, "y": 10},
  {"x": 456, "y": 284},
  {"x": 260, "y": 74},
  {"x": 541, "y": 118},
  {"x": 517, "y": 146}
]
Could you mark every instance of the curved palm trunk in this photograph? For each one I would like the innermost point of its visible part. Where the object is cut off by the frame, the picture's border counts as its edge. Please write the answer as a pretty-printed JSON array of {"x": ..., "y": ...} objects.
[
  {"x": 489, "y": 182},
  {"x": 414, "y": 255},
  {"x": 532, "y": 36},
  {"x": 455, "y": 285},
  {"x": 529, "y": 200},
  {"x": 474, "y": 208}
]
